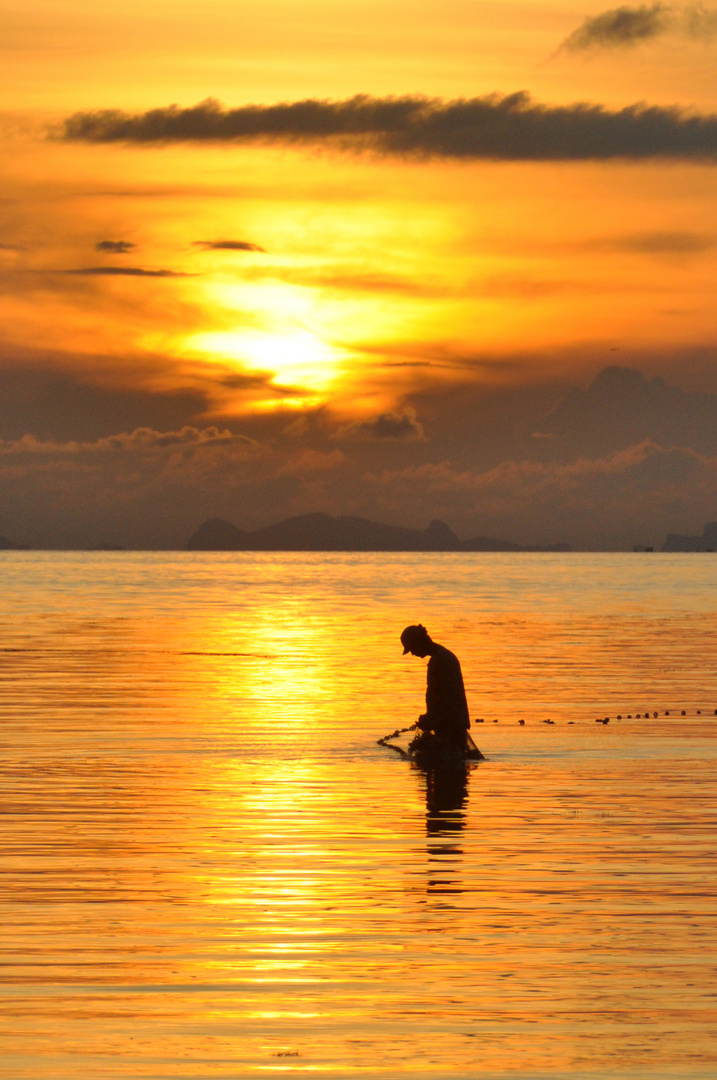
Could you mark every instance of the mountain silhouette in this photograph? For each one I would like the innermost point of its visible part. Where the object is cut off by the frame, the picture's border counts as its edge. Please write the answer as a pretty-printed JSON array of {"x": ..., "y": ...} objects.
[
  {"x": 322, "y": 532},
  {"x": 706, "y": 542}
]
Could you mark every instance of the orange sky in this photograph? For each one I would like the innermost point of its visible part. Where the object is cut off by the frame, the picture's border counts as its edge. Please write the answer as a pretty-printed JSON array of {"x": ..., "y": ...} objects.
[{"x": 292, "y": 291}]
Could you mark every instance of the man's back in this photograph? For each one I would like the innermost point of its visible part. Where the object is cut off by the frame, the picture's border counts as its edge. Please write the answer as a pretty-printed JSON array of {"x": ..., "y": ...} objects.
[{"x": 446, "y": 705}]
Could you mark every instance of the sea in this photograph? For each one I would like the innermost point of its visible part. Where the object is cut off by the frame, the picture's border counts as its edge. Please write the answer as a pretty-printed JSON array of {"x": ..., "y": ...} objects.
[{"x": 209, "y": 867}]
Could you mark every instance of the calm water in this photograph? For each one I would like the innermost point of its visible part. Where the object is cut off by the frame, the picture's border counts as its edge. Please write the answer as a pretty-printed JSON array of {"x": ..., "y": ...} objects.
[{"x": 209, "y": 869}]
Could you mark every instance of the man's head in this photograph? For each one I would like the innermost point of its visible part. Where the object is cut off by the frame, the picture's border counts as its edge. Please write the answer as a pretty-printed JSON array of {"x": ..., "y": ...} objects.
[{"x": 415, "y": 640}]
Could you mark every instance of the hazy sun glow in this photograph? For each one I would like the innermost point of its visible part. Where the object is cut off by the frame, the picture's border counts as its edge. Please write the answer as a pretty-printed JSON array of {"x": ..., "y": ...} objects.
[
  {"x": 389, "y": 300},
  {"x": 296, "y": 358}
]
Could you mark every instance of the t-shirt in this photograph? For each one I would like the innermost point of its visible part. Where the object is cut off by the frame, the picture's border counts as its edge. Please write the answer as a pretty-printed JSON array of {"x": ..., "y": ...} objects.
[{"x": 446, "y": 705}]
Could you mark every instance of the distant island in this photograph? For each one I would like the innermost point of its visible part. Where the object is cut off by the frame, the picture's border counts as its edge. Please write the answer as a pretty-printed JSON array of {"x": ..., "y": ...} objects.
[
  {"x": 706, "y": 542},
  {"x": 322, "y": 532},
  {"x": 7, "y": 545}
]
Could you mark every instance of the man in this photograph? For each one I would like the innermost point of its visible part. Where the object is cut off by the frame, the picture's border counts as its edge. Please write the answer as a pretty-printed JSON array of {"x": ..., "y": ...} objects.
[{"x": 446, "y": 715}]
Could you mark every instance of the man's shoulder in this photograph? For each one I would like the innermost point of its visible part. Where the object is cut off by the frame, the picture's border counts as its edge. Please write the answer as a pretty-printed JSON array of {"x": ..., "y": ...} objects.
[{"x": 442, "y": 655}]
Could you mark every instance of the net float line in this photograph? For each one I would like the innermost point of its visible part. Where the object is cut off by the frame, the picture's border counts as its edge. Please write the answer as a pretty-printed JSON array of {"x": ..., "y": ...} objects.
[
  {"x": 648, "y": 714},
  {"x": 604, "y": 720}
]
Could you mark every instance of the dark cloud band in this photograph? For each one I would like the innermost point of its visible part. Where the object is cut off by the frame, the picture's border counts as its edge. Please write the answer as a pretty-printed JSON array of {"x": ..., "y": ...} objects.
[
  {"x": 227, "y": 245},
  {"x": 623, "y": 26},
  {"x": 510, "y": 128},
  {"x": 114, "y": 247},
  {"x": 122, "y": 271}
]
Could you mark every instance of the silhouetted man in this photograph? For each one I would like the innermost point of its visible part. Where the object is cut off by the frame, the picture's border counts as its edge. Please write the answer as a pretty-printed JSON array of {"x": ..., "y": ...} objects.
[{"x": 446, "y": 714}]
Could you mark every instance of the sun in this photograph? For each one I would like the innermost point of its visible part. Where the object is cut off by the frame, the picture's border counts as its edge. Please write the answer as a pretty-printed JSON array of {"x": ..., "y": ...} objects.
[{"x": 296, "y": 359}]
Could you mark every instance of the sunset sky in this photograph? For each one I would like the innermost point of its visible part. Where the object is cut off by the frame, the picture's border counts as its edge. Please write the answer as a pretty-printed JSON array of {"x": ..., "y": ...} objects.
[{"x": 421, "y": 260}]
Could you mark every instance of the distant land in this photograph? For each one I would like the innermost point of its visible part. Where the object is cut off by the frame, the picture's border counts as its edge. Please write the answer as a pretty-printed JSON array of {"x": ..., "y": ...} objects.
[
  {"x": 706, "y": 542},
  {"x": 7, "y": 545},
  {"x": 322, "y": 532}
]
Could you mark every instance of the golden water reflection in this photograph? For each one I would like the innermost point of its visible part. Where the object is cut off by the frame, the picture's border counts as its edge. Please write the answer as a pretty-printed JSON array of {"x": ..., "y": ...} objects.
[{"x": 210, "y": 869}]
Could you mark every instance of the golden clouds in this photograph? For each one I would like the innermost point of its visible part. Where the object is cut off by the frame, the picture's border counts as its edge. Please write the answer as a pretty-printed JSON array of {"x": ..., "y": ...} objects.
[
  {"x": 355, "y": 316},
  {"x": 335, "y": 285}
]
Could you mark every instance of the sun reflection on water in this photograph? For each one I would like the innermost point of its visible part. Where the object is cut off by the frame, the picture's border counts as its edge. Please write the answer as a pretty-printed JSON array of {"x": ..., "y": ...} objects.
[{"x": 210, "y": 869}]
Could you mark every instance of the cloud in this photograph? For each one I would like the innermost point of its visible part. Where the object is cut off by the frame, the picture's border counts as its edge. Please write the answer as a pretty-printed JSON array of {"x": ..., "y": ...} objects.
[
  {"x": 312, "y": 461},
  {"x": 141, "y": 487},
  {"x": 121, "y": 271},
  {"x": 59, "y": 397},
  {"x": 628, "y": 458},
  {"x": 389, "y": 425},
  {"x": 512, "y": 128},
  {"x": 337, "y": 276},
  {"x": 227, "y": 245},
  {"x": 624, "y": 27},
  {"x": 700, "y": 22},
  {"x": 626, "y": 497},
  {"x": 648, "y": 462},
  {"x": 62, "y": 396},
  {"x": 523, "y": 287},
  {"x": 621, "y": 407},
  {"x": 115, "y": 247},
  {"x": 656, "y": 243},
  {"x": 140, "y": 440}
]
